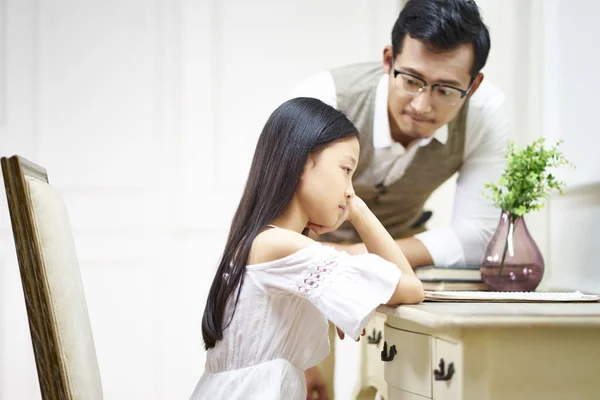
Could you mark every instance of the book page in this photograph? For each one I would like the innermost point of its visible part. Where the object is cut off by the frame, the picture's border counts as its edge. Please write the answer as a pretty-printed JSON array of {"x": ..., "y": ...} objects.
[{"x": 486, "y": 296}]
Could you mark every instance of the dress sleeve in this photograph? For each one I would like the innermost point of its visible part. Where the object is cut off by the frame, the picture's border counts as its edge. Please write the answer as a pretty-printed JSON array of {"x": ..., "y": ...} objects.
[{"x": 345, "y": 288}]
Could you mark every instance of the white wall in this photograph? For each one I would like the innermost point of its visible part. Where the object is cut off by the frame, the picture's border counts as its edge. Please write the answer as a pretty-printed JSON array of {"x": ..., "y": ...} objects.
[
  {"x": 574, "y": 218},
  {"x": 578, "y": 86},
  {"x": 145, "y": 115},
  {"x": 574, "y": 223}
]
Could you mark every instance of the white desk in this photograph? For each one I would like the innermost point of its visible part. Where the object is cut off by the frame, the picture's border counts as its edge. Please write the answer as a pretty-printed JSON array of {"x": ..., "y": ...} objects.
[{"x": 508, "y": 351}]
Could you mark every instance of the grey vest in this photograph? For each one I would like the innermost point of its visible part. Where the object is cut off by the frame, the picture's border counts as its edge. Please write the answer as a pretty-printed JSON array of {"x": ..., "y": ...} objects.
[{"x": 399, "y": 205}]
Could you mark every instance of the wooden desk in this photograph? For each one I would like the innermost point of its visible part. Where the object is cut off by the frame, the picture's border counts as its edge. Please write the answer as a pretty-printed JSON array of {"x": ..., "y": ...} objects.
[{"x": 508, "y": 351}]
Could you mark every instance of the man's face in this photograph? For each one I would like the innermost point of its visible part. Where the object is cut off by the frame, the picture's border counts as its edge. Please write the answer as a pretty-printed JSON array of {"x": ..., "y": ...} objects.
[{"x": 420, "y": 115}]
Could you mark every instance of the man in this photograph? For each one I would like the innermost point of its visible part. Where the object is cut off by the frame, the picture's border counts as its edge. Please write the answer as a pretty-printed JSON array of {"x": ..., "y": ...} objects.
[{"x": 423, "y": 115}]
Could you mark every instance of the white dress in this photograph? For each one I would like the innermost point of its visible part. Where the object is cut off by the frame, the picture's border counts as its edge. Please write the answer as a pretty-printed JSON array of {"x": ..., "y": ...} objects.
[{"x": 280, "y": 327}]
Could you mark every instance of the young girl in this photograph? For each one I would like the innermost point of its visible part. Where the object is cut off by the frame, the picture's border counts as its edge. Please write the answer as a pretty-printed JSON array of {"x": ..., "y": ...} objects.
[{"x": 265, "y": 320}]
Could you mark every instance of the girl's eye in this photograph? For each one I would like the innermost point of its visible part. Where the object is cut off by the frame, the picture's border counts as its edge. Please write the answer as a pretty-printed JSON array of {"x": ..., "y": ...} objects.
[{"x": 348, "y": 170}]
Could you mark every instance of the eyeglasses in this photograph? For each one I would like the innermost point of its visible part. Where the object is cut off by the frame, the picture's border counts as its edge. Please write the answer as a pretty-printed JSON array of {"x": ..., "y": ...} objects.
[{"x": 440, "y": 92}]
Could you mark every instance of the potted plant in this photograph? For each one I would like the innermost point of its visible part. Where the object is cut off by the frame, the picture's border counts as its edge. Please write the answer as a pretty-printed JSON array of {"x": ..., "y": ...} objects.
[{"x": 512, "y": 261}]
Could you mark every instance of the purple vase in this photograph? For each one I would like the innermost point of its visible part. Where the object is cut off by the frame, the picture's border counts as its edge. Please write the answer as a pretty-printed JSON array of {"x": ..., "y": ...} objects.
[{"x": 512, "y": 262}]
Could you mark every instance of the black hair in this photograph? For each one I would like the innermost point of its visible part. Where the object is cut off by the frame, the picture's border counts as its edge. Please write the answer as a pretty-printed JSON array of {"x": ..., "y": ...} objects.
[
  {"x": 444, "y": 25},
  {"x": 296, "y": 129}
]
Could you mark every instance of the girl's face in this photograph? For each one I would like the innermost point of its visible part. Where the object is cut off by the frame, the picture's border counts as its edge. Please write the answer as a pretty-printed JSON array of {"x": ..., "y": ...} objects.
[{"x": 326, "y": 181}]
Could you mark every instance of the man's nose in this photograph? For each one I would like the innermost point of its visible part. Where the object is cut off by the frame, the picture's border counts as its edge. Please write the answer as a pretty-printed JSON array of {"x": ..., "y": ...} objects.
[{"x": 422, "y": 101}]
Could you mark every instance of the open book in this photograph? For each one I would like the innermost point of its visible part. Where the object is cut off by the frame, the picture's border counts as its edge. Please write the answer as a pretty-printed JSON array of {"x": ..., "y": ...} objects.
[{"x": 503, "y": 297}]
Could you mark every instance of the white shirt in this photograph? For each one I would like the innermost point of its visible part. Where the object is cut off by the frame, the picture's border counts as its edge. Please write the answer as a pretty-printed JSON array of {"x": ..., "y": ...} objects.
[{"x": 474, "y": 218}]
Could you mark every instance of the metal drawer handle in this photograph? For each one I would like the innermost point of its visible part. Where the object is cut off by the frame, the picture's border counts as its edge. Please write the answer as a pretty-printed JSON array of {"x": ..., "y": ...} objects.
[
  {"x": 384, "y": 353},
  {"x": 376, "y": 338},
  {"x": 440, "y": 375}
]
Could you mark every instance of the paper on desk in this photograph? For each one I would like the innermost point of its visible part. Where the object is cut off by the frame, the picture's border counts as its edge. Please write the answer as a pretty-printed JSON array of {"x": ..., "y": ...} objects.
[{"x": 503, "y": 297}]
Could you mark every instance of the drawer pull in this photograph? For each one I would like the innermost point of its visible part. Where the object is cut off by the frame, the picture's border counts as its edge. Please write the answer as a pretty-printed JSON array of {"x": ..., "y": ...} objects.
[
  {"x": 384, "y": 353},
  {"x": 441, "y": 375},
  {"x": 376, "y": 338}
]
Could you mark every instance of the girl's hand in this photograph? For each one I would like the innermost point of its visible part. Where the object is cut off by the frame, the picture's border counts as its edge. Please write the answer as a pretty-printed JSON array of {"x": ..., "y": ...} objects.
[
  {"x": 354, "y": 207},
  {"x": 342, "y": 335},
  {"x": 357, "y": 208}
]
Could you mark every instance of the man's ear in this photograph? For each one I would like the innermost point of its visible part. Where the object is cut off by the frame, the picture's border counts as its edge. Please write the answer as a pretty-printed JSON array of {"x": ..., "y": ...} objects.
[
  {"x": 475, "y": 85},
  {"x": 388, "y": 59}
]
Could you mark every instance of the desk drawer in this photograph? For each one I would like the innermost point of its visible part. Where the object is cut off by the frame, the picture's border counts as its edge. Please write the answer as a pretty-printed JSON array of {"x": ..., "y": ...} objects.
[
  {"x": 448, "y": 370},
  {"x": 424, "y": 365},
  {"x": 410, "y": 369},
  {"x": 372, "y": 364}
]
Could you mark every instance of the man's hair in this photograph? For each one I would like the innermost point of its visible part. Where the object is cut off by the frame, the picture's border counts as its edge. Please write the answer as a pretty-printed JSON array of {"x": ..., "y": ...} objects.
[{"x": 444, "y": 25}]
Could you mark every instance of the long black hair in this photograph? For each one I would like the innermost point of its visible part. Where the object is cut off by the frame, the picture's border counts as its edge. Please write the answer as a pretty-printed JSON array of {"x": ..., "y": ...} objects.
[{"x": 296, "y": 129}]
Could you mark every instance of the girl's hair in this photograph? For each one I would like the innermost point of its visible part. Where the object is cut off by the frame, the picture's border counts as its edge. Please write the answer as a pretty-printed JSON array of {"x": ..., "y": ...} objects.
[{"x": 296, "y": 129}]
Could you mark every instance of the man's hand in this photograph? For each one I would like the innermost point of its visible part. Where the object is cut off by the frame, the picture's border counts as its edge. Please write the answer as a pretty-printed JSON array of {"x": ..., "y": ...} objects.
[{"x": 315, "y": 385}]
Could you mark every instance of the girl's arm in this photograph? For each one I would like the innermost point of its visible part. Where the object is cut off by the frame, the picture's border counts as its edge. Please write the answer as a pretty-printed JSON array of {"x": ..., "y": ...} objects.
[{"x": 378, "y": 241}]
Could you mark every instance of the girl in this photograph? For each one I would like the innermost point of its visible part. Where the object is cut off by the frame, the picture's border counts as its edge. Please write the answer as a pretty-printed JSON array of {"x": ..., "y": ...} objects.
[{"x": 265, "y": 320}]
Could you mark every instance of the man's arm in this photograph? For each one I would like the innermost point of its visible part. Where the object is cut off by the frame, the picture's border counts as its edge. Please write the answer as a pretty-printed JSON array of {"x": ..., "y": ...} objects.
[
  {"x": 474, "y": 218},
  {"x": 414, "y": 250}
]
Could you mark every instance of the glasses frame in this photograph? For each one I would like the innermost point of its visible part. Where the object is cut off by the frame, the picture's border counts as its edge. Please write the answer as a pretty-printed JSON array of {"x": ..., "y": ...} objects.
[{"x": 463, "y": 93}]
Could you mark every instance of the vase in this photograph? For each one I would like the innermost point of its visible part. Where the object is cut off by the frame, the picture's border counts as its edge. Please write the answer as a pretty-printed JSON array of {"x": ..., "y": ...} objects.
[{"x": 512, "y": 262}]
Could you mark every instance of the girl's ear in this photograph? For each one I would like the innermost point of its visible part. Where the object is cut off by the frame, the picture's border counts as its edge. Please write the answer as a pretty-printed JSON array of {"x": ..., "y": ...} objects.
[{"x": 310, "y": 163}]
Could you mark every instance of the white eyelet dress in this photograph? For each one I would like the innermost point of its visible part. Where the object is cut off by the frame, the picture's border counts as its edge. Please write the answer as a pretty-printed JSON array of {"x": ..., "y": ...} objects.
[{"x": 279, "y": 328}]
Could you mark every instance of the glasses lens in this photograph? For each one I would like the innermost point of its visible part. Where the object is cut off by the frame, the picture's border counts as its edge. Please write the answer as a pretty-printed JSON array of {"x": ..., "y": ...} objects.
[
  {"x": 408, "y": 84},
  {"x": 446, "y": 95}
]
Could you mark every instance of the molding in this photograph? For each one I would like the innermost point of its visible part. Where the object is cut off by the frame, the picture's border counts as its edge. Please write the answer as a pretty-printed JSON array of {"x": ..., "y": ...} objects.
[
  {"x": 162, "y": 87},
  {"x": 3, "y": 66},
  {"x": 216, "y": 59},
  {"x": 551, "y": 109},
  {"x": 578, "y": 189},
  {"x": 35, "y": 80}
]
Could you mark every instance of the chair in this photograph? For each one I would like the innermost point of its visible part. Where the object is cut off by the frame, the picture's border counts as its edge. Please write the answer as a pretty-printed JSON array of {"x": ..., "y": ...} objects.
[{"x": 59, "y": 324}]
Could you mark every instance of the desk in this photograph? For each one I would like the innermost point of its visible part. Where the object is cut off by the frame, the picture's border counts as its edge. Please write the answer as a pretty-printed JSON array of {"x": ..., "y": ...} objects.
[{"x": 490, "y": 351}]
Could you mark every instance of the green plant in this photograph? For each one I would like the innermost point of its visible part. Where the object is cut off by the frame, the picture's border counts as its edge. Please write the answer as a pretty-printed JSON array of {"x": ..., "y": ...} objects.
[{"x": 526, "y": 182}]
